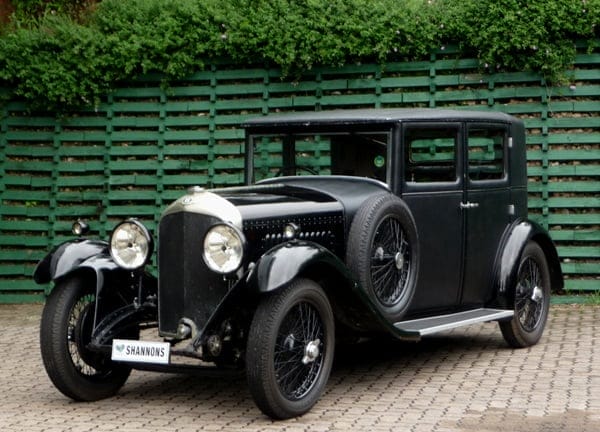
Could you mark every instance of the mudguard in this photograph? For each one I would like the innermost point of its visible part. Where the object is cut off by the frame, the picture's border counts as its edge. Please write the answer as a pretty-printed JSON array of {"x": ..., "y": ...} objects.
[
  {"x": 280, "y": 265},
  {"x": 76, "y": 255},
  {"x": 507, "y": 264},
  {"x": 93, "y": 256}
]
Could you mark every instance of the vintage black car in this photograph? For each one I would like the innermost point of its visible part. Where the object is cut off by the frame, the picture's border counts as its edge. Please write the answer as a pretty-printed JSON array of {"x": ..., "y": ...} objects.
[{"x": 352, "y": 223}]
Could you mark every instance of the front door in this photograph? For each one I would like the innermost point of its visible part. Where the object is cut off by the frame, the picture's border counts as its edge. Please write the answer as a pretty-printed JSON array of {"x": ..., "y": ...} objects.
[{"x": 432, "y": 187}]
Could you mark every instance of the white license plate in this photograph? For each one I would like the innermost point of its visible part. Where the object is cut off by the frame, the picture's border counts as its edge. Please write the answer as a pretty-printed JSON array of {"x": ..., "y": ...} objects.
[{"x": 141, "y": 351}]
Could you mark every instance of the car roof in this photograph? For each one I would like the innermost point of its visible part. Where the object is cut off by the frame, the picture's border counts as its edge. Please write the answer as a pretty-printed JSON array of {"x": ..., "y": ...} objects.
[{"x": 373, "y": 116}]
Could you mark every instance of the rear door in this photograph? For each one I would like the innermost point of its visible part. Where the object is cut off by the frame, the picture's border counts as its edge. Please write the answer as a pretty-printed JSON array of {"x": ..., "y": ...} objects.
[{"x": 486, "y": 205}]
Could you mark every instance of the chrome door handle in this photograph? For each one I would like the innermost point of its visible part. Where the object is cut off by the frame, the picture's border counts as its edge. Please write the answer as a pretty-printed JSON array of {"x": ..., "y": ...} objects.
[{"x": 468, "y": 205}]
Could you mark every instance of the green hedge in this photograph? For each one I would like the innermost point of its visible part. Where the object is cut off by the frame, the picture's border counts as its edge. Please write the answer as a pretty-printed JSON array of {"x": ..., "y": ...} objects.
[{"x": 58, "y": 62}]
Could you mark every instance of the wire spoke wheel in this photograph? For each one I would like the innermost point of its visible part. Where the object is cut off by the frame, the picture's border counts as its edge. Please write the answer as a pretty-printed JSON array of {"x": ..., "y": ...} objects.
[
  {"x": 290, "y": 349},
  {"x": 65, "y": 334},
  {"x": 531, "y": 299},
  {"x": 383, "y": 254},
  {"x": 299, "y": 351},
  {"x": 529, "y": 295},
  {"x": 390, "y": 261},
  {"x": 79, "y": 332}
]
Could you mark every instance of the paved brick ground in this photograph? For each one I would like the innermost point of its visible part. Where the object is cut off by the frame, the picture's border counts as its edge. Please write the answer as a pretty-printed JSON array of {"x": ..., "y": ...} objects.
[{"x": 463, "y": 380}]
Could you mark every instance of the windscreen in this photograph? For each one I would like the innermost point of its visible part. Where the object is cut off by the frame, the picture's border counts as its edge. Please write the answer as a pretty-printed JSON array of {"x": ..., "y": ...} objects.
[{"x": 361, "y": 154}]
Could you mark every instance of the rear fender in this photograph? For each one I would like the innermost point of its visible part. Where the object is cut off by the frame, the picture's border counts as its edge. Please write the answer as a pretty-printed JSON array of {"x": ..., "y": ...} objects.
[{"x": 507, "y": 264}]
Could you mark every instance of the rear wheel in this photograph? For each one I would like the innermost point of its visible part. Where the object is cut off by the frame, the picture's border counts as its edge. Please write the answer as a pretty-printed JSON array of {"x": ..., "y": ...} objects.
[
  {"x": 290, "y": 349},
  {"x": 532, "y": 299},
  {"x": 65, "y": 332}
]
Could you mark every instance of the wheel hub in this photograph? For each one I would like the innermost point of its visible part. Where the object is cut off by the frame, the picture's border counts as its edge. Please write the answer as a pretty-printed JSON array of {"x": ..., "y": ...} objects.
[
  {"x": 537, "y": 294},
  {"x": 311, "y": 351},
  {"x": 399, "y": 259}
]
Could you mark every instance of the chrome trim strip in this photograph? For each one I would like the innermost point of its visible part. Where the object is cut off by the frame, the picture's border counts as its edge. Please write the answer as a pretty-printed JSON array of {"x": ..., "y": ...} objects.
[{"x": 201, "y": 201}]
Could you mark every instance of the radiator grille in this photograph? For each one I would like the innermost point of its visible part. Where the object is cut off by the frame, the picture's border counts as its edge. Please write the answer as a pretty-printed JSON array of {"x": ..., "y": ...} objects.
[{"x": 187, "y": 287}]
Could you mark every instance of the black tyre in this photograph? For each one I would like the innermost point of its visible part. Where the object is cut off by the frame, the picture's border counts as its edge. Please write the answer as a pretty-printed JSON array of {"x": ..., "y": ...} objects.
[
  {"x": 290, "y": 349},
  {"x": 383, "y": 253},
  {"x": 532, "y": 299},
  {"x": 65, "y": 332}
]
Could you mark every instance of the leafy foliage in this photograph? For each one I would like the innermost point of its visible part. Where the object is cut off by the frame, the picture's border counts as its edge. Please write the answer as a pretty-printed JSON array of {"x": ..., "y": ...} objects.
[
  {"x": 27, "y": 12},
  {"x": 522, "y": 35},
  {"x": 59, "y": 62}
]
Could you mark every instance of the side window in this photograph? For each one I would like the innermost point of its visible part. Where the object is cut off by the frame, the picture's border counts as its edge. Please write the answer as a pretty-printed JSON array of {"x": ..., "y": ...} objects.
[
  {"x": 486, "y": 158},
  {"x": 361, "y": 155},
  {"x": 430, "y": 154}
]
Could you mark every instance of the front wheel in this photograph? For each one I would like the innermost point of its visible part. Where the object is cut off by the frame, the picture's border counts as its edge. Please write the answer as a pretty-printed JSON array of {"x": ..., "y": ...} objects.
[
  {"x": 65, "y": 332},
  {"x": 290, "y": 349},
  {"x": 532, "y": 299}
]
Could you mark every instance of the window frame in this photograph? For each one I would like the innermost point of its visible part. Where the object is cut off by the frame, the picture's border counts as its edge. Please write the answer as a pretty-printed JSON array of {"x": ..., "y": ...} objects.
[
  {"x": 486, "y": 183},
  {"x": 290, "y": 137},
  {"x": 457, "y": 183}
]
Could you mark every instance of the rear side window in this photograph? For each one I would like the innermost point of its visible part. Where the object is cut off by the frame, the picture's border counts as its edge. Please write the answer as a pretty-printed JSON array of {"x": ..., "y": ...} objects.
[
  {"x": 430, "y": 154},
  {"x": 486, "y": 157}
]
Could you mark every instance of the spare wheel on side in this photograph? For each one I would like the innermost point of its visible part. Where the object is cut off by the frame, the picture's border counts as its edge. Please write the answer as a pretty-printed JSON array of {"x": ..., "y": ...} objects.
[{"x": 383, "y": 253}]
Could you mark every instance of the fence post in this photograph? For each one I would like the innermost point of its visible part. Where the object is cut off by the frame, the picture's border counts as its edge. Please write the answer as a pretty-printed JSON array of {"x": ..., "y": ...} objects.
[
  {"x": 56, "y": 144},
  {"x": 318, "y": 91},
  {"x": 160, "y": 157},
  {"x": 106, "y": 166},
  {"x": 378, "y": 87},
  {"x": 432, "y": 85},
  {"x": 545, "y": 133},
  {"x": 3, "y": 132},
  {"x": 212, "y": 113}
]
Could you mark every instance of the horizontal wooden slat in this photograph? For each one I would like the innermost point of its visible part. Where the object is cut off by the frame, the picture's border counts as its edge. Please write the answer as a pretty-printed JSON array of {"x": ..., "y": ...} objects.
[
  {"x": 581, "y": 268},
  {"x": 156, "y": 142},
  {"x": 578, "y": 251},
  {"x": 31, "y": 297},
  {"x": 591, "y": 285},
  {"x": 575, "y": 235}
]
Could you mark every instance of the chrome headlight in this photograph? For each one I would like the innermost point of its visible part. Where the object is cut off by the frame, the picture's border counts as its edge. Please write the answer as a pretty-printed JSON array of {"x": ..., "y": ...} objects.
[
  {"x": 223, "y": 248},
  {"x": 130, "y": 245}
]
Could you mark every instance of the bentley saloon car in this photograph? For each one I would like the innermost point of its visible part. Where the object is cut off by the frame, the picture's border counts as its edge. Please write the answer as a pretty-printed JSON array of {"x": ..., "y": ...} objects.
[{"x": 402, "y": 222}]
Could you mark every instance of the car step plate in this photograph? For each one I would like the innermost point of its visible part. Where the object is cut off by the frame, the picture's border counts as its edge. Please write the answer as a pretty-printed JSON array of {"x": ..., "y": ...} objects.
[
  {"x": 425, "y": 326},
  {"x": 141, "y": 351}
]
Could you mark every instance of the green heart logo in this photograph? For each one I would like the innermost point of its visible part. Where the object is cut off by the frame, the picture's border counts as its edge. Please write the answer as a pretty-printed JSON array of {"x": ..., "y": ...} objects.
[{"x": 120, "y": 348}]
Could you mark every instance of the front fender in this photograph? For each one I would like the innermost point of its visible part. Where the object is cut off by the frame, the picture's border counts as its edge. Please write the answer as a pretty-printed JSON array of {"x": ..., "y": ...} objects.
[
  {"x": 507, "y": 267},
  {"x": 73, "y": 255},
  {"x": 280, "y": 265},
  {"x": 352, "y": 306}
]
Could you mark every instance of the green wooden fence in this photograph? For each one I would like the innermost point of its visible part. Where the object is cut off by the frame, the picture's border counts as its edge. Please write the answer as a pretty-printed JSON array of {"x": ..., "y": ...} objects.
[{"x": 142, "y": 147}]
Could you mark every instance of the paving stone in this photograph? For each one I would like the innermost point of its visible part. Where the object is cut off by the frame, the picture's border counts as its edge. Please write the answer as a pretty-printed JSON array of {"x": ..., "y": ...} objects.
[{"x": 463, "y": 380}]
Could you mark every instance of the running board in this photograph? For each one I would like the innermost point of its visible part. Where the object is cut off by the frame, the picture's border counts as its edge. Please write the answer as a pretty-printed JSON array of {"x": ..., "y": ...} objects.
[{"x": 424, "y": 326}]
